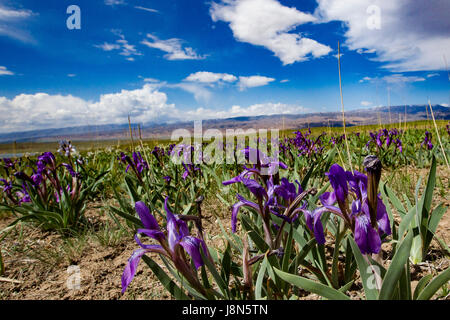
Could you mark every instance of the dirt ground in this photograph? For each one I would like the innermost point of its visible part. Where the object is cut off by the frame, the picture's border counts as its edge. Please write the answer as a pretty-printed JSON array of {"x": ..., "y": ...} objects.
[{"x": 38, "y": 264}]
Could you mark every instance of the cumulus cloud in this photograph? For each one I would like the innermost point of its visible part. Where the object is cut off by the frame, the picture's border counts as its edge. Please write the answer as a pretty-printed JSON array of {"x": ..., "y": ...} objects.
[
  {"x": 173, "y": 47},
  {"x": 41, "y": 110},
  {"x": 148, "y": 104},
  {"x": 409, "y": 37},
  {"x": 253, "y": 81},
  {"x": 201, "y": 94},
  {"x": 5, "y": 72},
  {"x": 210, "y": 77},
  {"x": 366, "y": 103},
  {"x": 269, "y": 24}
]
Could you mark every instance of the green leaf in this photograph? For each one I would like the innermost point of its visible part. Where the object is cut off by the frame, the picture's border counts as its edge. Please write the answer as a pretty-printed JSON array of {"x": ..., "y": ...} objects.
[
  {"x": 287, "y": 250},
  {"x": 253, "y": 234},
  {"x": 421, "y": 285},
  {"x": 305, "y": 180},
  {"x": 260, "y": 278},
  {"x": 182, "y": 280},
  {"x": 127, "y": 216},
  {"x": 226, "y": 264},
  {"x": 436, "y": 216},
  {"x": 394, "y": 200},
  {"x": 396, "y": 268},
  {"x": 312, "y": 286},
  {"x": 303, "y": 252},
  {"x": 165, "y": 280},
  {"x": 363, "y": 266},
  {"x": 223, "y": 286},
  {"x": 434, "y": 285},
  {"x": 405, "y": 223}
]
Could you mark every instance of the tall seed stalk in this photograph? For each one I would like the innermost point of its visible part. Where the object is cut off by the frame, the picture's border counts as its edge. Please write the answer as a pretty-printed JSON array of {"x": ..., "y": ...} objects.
[
  {"x": 439, "y": 137},
  {"x": 342, "y": 104}
]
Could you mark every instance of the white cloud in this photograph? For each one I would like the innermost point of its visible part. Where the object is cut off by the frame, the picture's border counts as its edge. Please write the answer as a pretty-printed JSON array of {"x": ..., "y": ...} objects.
[
  {"x": 444, "y": 104},
  {"x": 252, "y": 110},
  {"x": 71, "y": 75},
  {"x": 121, "y": 45},
  {"x": 41, "y": 110},
  {"x": 366, "y": 103},
  {"x": 9, "y": 23},
  {"x": 173, "y": 47},
  {"x": 11, "y": 14},
  {"x": 431, "y": 75},
  {"x": 365, "y": 79},
  {"x": 146, "y": 9},
  {"x": 413, "y": 35},
  {"x": 284, "y": 80},
  {"x": 253, "y": 81},
  {"x": 210, "y": 77},
  {"x": 5, "y": 72},
  {"x": 150, "y": 80},
  {"x": 399, "y": 79},
  {"x": 396, "y": 78},
  {"x": 107, "y": 46},
  {"x": 201, "y": 94},
  {"x": 269, "y": 24},
  {"x": 115, "y": 2}
]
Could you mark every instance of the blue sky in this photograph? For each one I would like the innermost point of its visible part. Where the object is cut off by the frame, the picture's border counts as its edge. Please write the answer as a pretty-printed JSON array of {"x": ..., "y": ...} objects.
[{"x": 193, "y": 59}]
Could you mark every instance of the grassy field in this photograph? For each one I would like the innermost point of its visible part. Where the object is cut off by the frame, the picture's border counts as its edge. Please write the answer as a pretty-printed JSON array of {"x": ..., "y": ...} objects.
[
  {"x": 82, "y": 211},
  {"x": 23, "y": 148}
]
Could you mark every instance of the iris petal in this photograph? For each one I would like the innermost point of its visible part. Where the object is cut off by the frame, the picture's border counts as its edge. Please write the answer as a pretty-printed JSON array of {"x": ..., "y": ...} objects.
[
  {"x": 130, "y": 269},
  {"x": 192, "y": 247},
  {"x": 148, "y": 220}
]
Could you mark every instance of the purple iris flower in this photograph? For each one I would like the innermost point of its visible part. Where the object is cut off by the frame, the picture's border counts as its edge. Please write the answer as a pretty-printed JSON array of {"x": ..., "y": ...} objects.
[
  {"x": 427, "y": 141},
  {"x": 69, "y": 168},
  {"x": 37, "y": 179},
  {"x": 260, "y": 159},
  {"x": 189, "y": 169},
  {"x": 252, "y": 185},
  {"x": 23, "y": 195},
  {"x": 47, "y": 158},
  {"x": 7, "y": 186},
  {"x": 170, "y": 244},
  {"x": 358, "y": 213},
  {"x": 66, "y": 148},
  {"x": 338, "y": 180},
  {"x": 139, "y": 162}
]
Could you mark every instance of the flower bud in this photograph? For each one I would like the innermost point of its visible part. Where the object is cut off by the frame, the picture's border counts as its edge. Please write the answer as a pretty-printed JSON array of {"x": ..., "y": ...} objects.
[{"x": 373, "y": 168}]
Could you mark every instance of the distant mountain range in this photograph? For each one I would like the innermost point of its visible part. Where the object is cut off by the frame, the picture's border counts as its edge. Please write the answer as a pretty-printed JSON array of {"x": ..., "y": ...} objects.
[{"x": 291, "y": 121}]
